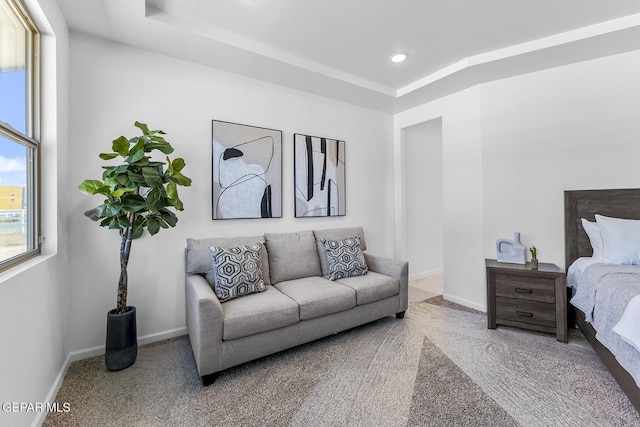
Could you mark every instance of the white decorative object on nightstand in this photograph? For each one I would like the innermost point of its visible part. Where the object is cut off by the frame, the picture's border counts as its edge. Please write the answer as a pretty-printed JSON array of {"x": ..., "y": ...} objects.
[{"x": 511, "y": 251}]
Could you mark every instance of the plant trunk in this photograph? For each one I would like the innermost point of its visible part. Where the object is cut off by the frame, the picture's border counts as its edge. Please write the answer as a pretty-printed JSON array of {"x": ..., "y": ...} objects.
[{"x": 125, "y": 250}]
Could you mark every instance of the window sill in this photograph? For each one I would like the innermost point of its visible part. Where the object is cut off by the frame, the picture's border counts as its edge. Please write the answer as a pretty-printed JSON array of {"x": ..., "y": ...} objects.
[{"x": 19, "y": 269}]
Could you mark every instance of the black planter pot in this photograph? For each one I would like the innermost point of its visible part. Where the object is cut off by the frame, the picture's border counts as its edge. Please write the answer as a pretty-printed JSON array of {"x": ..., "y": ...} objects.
[{"x": 122, "y": 340}]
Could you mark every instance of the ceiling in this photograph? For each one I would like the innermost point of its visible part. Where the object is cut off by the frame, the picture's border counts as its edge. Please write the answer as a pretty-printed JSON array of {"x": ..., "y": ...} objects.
[{"x": 340, "y": 48}]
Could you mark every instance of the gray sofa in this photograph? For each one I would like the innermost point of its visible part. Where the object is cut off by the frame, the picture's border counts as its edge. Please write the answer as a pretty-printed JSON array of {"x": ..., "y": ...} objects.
[{"x": 299, "y": 303}]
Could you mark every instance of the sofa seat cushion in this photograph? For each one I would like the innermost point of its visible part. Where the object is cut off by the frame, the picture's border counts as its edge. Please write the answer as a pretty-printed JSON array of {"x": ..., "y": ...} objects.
[
  {"x": 371, "y": 287},
  {"x": 257, "y": 313},
  {"x": 318, "y": 297}
]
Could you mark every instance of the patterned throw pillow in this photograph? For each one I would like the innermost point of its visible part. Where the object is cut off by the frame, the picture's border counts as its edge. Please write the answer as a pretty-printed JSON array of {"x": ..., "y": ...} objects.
[
  {"x": 237, "y": 271},
  {"x": 345, "y": 258}
]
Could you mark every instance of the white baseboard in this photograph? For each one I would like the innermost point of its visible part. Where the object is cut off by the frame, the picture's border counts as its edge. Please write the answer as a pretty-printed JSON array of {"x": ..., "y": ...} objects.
[
  {"x": 53, "y": 391},
  {"x": 426, "y": 274},
  {"x": 146, "y": 339},
  {"x": 465, "y": 302},
  {"x": 96, "y": 351}
]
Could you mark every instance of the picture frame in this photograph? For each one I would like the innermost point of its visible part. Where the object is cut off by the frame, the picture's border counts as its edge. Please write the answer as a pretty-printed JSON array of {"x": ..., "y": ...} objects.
[
  {"x": 246, "y": 171},
  {"x": 319, "y": 176}
]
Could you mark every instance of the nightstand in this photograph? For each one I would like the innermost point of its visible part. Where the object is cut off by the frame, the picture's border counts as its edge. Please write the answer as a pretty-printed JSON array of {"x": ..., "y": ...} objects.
[{"x": 527, "y": 298}]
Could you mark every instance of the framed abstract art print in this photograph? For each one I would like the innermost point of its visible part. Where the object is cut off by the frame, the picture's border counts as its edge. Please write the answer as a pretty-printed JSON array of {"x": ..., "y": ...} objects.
[
  {"x": 247, "y": 171},
  {"x": 319, "y": 176}
]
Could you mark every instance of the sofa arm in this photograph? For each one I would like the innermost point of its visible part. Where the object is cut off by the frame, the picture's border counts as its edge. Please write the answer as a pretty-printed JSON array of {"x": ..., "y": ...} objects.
[
  {"x": 393, "y": 268},
  {"x": 205, "y": 319}
]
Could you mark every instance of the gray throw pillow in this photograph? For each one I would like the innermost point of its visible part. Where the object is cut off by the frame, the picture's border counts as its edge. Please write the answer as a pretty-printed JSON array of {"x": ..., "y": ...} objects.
[
  {"x": 345, "y": 258},
  {"x": 335, "y": 234},
  {"x": 237, "y": 271}
]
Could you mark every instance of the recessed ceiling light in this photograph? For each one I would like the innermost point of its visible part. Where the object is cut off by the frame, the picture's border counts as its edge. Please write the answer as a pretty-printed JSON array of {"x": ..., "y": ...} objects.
[{"x": 399, "y": 57}]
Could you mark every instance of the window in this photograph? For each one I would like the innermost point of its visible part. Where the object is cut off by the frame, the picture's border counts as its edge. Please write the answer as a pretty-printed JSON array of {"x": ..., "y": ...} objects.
[{"x": 19, "y": 135}]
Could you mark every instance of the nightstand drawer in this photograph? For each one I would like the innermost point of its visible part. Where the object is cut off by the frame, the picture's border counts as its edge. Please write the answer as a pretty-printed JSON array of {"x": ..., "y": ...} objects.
[
  {"x": 531, "y": 312},
  {"x": 525, "y": 288}
]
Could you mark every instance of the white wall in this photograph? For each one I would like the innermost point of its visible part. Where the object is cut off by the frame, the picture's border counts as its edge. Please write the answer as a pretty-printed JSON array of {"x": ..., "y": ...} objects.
[
  {"x": 114, "y": 85},
  {"x": 512, "y": 147},
  {"x": 462, "y": 190},
  {"x": 34, "y": 296},
  {"x": 423, "y": 197},
  {"x": 569, "y": 128}
]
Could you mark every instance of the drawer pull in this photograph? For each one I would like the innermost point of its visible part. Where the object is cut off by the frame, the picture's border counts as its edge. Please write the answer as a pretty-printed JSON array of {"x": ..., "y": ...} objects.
[
  {"x": 524, "y": 314},
  {"x": 524, "y": 291}
]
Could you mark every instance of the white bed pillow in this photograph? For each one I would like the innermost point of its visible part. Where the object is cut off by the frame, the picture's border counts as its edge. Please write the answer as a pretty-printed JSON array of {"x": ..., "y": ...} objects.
[
  {"x": 593, "y": 232},
  {"x": 620, "y": 240}
]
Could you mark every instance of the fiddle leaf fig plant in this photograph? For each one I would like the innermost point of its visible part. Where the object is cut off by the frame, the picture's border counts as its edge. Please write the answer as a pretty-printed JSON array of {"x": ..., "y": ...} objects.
[{"x": 139, "y": 193}]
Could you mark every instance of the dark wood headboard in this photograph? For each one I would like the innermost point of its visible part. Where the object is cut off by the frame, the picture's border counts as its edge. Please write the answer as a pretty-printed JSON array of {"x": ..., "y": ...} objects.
[{"x": 619, "y": 203}]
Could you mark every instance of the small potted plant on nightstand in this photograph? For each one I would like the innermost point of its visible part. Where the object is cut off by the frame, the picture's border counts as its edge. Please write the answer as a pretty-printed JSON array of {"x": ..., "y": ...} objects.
[{"x": 534, "y": 257}]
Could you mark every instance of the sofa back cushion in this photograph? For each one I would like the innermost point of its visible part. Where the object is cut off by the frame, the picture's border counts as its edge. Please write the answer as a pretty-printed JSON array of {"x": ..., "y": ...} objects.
[
  {"x": 200, "y": 261},
  {"x": 292, "y": 255},
  {"x": 335, "y": 234}
]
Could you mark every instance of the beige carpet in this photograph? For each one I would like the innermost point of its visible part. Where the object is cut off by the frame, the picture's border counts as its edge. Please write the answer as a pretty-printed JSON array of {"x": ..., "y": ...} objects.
[{"x": 437, "y": 366}]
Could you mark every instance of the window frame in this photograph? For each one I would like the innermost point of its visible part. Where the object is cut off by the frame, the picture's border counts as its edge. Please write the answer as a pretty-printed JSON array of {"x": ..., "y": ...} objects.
[{"x": 30, "y": 139}]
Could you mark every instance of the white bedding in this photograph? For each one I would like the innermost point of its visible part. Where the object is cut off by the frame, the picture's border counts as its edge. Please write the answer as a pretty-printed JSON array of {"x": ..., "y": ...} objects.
[
  {"x": 628, "y": 327},
  {"x": 577, "y": 268},
  {"x": 609, "y": 295}
]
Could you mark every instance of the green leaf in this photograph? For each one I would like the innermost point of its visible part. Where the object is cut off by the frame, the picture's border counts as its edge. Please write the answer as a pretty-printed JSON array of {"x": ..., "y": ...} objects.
[
  {"x": 123, "y": 222},
  {"x": 95, "y": 213},
  {"x": 178, "y": 164},
  {"x": 172, "y": 190},
  {"x": 113, "y": 224},
  {"x": 137, "y": 232},
  {"x": 172, "y": 194},
  {"x": 164, "y": 147},
  {"x": 138, "y": 226},
  {"x": 108, "y": 156},
  {"x": 143, "y": 127},
  {"x": 119, "y": 180},
  {"x": 123, "y": 179},
  {"x": 157, "y": 138},
  {"x": 169, "y": 217},
  {"x": 112, "y": 209},
  {"x": 144, "y": 161},
  {"x": 153, "y": 225},
  {"x": 177, "y": 203},
  {"x": 151, "y": 177},
  {"x": 121, "y": 191},
  {"x": 135, "y": 179},
  {"x": 156, "y": 199},
  {"x": 133, "y": 202},
  {"x": 136, "y": 156},
  {"x": 94, "y": 186},
  {"x": 180, "y": 179},
  {"x": 121, "y": 146}
]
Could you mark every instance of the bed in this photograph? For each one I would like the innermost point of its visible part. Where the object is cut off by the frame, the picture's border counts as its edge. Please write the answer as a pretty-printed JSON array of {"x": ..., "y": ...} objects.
[{"x": 618, "y": 203}]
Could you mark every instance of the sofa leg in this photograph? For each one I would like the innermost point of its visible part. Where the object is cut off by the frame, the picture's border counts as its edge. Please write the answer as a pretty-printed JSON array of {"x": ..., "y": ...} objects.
[
  {"x": 400, "y": 315},
  {"x": 207, "y": 380}
]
